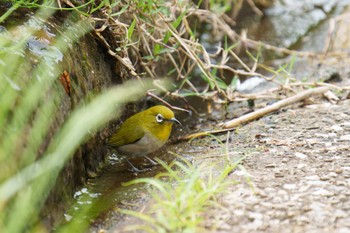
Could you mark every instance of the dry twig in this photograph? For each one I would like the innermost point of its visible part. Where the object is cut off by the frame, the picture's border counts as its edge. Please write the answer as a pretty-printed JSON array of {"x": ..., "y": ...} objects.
[
  {"x": 228, "y": 126},
  {"x": 167, "y": 104},
  {"x": 274, "y": 107}
]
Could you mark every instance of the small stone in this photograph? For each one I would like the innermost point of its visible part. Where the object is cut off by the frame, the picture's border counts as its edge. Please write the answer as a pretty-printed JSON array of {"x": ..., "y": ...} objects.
[
  {"x": 238, "y": 212},
  {"x": 328, "y": 160},
  {"x": 345, "y": 137},
  {"x": 314, "y": 177},
  {"x": 344, "y": 230},
  {"x": 224, "y": 226},
  {"x": 329, "y": 176},
  {"x": 332, "y": 174},
  {"x": 323, "y": 192},
  {"x": 255, "y": 215},
  {"x": 289, "y": 186},
  {"x": 317, "y": 182},
  {"x": 320, "y": 135},
  {"x": 338, "y": 170},
  {"x": 261, "y": 193},
  {"x": 342, "y": 197},
  {"x": 337, "y": 128},
  {"x": 271, "y": 165},
  {"x": 328, "y": 144},
  {"x": 279, "y": 174},
  {"x": 301, "y": 165},
  {"x": 270, "y": 190},
  {"x": 347, "y": 124},
  {"x": 300, "y": 155}
]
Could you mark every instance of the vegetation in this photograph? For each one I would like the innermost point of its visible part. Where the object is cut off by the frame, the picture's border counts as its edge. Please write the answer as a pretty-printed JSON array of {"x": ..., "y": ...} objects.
[
  {"x": 150, "y": 39},
  {"x": 30, "y": 161},
  {"x": 181, "y": 196}
]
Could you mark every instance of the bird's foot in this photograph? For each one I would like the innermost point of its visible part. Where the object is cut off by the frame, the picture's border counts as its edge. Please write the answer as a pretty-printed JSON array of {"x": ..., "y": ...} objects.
[
  {"x": 135, "y": 169},
  {"x": 154, "y": 163}
]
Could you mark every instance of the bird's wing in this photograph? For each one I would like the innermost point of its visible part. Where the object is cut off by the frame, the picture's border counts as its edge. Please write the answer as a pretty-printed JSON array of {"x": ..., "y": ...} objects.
[{"x": 125, "y": 136}]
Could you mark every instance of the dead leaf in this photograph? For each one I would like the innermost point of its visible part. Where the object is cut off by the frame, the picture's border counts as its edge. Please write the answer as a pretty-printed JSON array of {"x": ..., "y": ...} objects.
[{"x": 65, "y": 80}]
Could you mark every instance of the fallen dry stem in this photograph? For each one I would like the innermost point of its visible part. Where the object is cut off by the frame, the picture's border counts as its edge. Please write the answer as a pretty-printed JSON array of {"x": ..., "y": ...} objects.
[
  {"x": 202, "y": 134},
  {"x": 274, "y": 107},
  {"x": 228, "y": 126}
]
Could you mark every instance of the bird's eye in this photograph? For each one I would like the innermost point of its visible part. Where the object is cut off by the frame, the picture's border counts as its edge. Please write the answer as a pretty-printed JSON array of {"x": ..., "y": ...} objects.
[{"x": 159, "y": 118}]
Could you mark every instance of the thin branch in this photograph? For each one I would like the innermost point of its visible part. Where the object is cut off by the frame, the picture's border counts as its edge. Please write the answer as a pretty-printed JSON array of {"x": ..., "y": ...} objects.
[
  {"x": 228, "y": 126},
  {"x": 167, "y": 104},
  {"x": 274, "y": 107}
]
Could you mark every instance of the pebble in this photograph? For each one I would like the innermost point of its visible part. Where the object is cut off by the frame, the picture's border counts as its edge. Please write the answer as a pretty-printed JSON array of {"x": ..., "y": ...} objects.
[
  {"x": 255, "y": 215},
  {"x": 289, "y": 186},
  {"x": 323, "y": 192},
  {"x": 313, "y": 177},
  {"x": 332, "y": 174},
  {"x": 328, "y": 159},
  {"x": 320, "y": 135},
  {"x": 300, "y": 155},
  {"x": 344, "y": 230},
  {"x": 317, "y": 182},
  {"x": 329, "y": 176},
  {"x": 338, "y": 170},
  {"x": 301, "y": 165},
  {"x": 271, "y": 165},
  {"x": 345, "y": 137},
  {"x": 279, "y": 174},
  {"x": 224, "y": 226},
  {"x": 238, "y": 212},
  {"x": 346, "y": 124},
  {"x": 337, "y": 128},
  {"x": 328, "y": 144}
]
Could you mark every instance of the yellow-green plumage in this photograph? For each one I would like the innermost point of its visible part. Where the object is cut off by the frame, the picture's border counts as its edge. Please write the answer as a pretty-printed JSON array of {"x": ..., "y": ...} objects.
[{"x": 143, "y": 132}]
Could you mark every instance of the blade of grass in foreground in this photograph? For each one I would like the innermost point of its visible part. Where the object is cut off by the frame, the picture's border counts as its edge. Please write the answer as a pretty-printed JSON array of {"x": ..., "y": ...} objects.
[
  {"x": 25, "y": 119},
  {"x": 179, "y": 204},
  {"x": 34, "y": 181}
]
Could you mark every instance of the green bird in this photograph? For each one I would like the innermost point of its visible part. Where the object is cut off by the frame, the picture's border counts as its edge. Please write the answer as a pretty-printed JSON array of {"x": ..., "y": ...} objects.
[{"x": 143, "y": 133}]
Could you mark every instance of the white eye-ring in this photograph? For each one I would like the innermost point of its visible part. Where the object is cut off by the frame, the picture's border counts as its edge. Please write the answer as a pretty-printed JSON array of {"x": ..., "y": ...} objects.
[{"x": 159, "y": 118}]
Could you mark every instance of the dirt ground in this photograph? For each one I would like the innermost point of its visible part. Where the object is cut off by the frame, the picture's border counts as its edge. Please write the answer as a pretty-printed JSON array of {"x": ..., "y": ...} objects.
[{"x": 298, "y": 161}]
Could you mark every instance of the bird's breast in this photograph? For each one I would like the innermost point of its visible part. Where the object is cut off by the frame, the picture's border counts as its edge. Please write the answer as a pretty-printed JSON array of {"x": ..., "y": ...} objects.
[{"x": 147, "y": 144}]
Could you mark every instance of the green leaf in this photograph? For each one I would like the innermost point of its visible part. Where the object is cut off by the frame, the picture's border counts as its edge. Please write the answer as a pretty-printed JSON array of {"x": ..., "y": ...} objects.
[{"x": 131, "y": 29}]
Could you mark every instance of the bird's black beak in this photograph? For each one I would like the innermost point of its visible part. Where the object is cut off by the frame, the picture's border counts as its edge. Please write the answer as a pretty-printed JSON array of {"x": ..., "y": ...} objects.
[{"x": 174, "y": 120}]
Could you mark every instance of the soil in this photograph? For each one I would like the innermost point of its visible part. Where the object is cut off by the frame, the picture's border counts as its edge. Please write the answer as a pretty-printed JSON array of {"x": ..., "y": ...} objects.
[
  {"x": 296, "y": 175},
  {"x": 300, "y": 173}
]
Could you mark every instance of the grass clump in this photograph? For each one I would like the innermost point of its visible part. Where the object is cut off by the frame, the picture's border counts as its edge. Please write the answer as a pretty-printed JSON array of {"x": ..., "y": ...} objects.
[
  {"x": 182, "y": 195},
  {"x": 31, "y": 154}
]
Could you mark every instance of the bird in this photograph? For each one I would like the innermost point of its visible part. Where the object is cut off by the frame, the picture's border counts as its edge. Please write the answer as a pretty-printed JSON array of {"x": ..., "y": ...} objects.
[{"x": 143, "y": 133}]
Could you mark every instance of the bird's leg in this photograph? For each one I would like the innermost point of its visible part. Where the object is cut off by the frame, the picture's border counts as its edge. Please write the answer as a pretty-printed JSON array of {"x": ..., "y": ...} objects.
[
  {"x": 133, "y": 168},
  {"x": 151, "y": 160}
]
